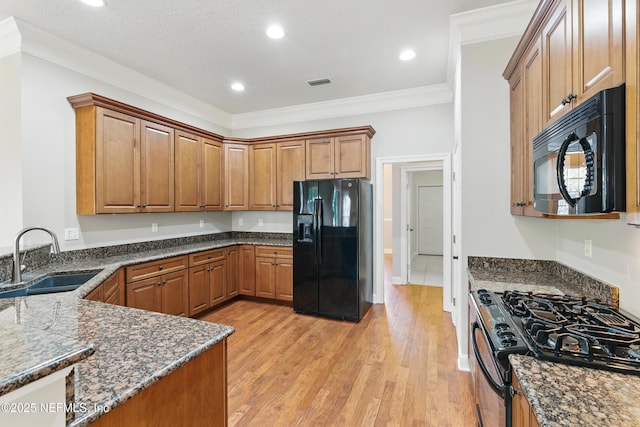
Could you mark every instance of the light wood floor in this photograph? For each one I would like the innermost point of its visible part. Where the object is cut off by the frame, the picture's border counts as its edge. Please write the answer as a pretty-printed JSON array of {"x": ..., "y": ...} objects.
[{"x": 397, "y": 367}]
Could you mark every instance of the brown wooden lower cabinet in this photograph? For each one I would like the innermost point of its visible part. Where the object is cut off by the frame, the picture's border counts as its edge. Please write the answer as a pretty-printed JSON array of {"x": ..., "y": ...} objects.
[
  {"x": 212, "y": 277},
  {"x": 111, "y": 291},
  {"x": 247, "y": 270},
  {"x": 522, "y": 415},
  {"x": 274, "y": 273},
  {"x": 194, "y": 394},
  {"x": 232, "y": 272},
  {"x": 167, "y": 293}
]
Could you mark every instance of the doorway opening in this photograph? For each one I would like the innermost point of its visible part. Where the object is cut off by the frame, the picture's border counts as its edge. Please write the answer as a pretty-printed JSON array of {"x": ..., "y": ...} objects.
[{"x": 409, "y": 174}]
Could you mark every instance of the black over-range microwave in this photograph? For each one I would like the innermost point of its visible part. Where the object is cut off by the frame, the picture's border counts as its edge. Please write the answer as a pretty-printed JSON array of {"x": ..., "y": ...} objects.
[{"x": 579, "y": 161}]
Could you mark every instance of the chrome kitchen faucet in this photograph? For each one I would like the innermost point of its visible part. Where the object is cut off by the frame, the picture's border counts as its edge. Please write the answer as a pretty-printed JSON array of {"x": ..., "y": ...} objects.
[{"x": 17, "y": 266}]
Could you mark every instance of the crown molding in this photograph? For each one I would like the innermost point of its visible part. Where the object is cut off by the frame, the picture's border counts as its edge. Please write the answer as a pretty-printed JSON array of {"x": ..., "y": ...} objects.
[
  {"x": 10, "y": 37},
  {"x": 24, "y": 37},
  {"x": 374, "y": 103},
  {"x": 485, "y": 24}
]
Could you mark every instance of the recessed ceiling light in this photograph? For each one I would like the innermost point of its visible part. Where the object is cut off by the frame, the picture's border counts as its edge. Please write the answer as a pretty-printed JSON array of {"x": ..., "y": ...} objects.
[
  {"x": 407, "y": 55},
  {"x": 238, "y": 87},
  {"x": 94, "y": 3},
  {"x": 275, "y": 32}
]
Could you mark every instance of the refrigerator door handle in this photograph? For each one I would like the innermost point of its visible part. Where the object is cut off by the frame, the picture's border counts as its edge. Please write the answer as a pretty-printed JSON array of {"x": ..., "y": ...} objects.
[
  {"x": 319, "y": 231},
  {"x": 315, "y": 231}
]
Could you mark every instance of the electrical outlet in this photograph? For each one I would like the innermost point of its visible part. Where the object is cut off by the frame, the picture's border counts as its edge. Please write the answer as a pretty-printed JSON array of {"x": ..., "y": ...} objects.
[
  {"x": 71, "y": 234},
  {"x": 260, "y": 222},
  {"x": 587, "y": 248},
  {"x": 240, "y": 221},
  {"x": 202, "y": 223},
  {"x": 154, "y": 227}
]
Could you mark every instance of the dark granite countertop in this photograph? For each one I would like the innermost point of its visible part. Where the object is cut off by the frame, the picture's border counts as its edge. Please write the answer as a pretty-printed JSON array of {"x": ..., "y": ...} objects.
[
  {"x": 562, "y": 395},
  {"x": 28, "y": 354},
  {"x": 567, "y": 396},
  {"x": 131, "y": 348}
]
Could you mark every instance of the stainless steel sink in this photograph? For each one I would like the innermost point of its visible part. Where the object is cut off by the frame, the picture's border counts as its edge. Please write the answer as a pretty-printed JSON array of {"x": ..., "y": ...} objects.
[{"x": 51, "y": 283}]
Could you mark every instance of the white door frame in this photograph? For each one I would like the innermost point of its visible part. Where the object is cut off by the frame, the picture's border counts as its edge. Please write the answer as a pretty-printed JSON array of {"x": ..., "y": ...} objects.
[{"x": 435, "y": 162}]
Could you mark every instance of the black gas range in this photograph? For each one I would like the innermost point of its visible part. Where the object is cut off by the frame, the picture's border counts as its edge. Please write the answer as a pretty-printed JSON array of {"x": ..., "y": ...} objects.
[{"x": 561, "y": 328}]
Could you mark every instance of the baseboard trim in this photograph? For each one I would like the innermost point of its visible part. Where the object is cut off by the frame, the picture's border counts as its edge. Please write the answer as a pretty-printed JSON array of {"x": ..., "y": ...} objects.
[
  {"x": 397, "y": 280},
  {"x": 464, "y": 363}
]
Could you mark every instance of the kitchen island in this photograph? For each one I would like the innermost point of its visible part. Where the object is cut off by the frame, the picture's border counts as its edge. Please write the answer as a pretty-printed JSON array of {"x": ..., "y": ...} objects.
[
  {"x": 147, "y": 368},
  {"x": 135, "y": 351},
  {"x": 559, "y": 394}
]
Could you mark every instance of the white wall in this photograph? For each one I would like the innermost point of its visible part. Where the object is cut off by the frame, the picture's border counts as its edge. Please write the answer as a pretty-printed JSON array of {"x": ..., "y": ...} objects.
[
  {"x": 10, "y": 149},
  {"x": 388, "y": 209},
  {"x": 488, "y": 229},
  {"x": 616, "y": 254},
  {"x": 47, "y": 140}
]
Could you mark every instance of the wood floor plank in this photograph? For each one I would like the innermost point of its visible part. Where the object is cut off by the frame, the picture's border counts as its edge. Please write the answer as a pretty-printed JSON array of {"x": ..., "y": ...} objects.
[{"x": 396, "y": 367}]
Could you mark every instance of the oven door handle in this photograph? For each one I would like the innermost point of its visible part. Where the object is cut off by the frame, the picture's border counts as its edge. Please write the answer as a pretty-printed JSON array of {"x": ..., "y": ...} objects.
[{"x": 499, "y": 388}]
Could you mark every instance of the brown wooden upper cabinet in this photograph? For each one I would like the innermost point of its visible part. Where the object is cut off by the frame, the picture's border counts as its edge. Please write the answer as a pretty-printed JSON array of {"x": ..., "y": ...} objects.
[
  {"x": 339, "y": 157},
  {"x": 236, "y": 165},
  {"x": 131, "y": 160},
  {"x": 123, "y": 164},
  {"x": 632, "y": 50},
  {"x": 571, "y": 50},
  {"x": 199, "y": 173},
  {"x": 272, "y": 169},
  {"x": 583, "y": 52}
]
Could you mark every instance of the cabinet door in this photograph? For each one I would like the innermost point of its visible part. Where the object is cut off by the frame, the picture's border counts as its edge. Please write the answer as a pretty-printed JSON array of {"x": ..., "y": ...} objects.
[
  {"x": 114, "y": 288},
  {"x": 262, "y": 177},
  {"x": 632, "y": 16},
  {"x": 236, "y": 165},
  {"x": 518, "y": 171},
  {"x": 284, "y": 279},
  {"x": 351, "y": 156},
  {"x": 247, "y": 270},
  {"x": 265, "y": 277},
  {"x": 198, "y": 290},
  {"x": 117, "y": 162},
  {"x": 556, "y": 38},
  {"x": 319, "y": 158},
  {"x": 174, "y": 292},
  {"x": 532, "y": 116},
  {"x": 232, "y": 272},
  {"x": 217, "y": 282},
  {"x": 95, "y": 295},
  {"x": 212, "y": 176},
  {"x": 156, "y": 168},
  {"x": 290, "y": 164},
  {"x": 187, "y": 174},
  {"x": 598, "y": 54},
  {"x": 144, "y": 294}
]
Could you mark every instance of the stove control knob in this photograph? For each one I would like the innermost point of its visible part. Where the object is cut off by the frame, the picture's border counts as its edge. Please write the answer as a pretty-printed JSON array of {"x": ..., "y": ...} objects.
[
  {"x": 485, "y": 298},
  {"x": 502, "y": 327}
]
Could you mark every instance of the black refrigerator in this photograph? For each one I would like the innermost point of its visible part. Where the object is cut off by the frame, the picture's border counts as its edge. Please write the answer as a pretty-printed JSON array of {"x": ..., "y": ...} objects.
[{"x": 333, "y": 248}]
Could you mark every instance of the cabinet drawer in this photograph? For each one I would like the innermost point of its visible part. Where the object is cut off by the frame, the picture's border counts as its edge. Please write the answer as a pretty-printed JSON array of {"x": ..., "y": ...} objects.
[
  {"x": 205, "y": 257},
  {"x": 155, "y": 268},
  {"x": 274, "y": 251}
]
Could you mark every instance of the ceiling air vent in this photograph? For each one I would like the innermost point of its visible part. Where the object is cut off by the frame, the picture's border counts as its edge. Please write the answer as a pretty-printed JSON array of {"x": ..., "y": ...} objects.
[{"x": 318, "y": 82}]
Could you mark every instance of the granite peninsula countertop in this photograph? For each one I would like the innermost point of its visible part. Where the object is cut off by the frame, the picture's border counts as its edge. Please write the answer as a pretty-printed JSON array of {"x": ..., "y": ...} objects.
[
  {"x": 117, "y": 351},
  {"x": 29, "y": 354},
  {"x": 562, "y": 395}
]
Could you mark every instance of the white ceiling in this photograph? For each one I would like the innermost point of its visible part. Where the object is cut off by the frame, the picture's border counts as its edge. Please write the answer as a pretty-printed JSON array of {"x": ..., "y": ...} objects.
[{"x": 201, "y": 46}]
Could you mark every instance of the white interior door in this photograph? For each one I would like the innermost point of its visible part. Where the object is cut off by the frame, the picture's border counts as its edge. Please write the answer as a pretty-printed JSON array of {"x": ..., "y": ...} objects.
[{"x": 430, "y": 220}]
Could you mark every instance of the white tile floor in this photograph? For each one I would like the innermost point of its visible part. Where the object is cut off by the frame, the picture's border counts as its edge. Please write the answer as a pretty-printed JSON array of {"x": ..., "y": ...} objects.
[{"x": 426, "y": 270}]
